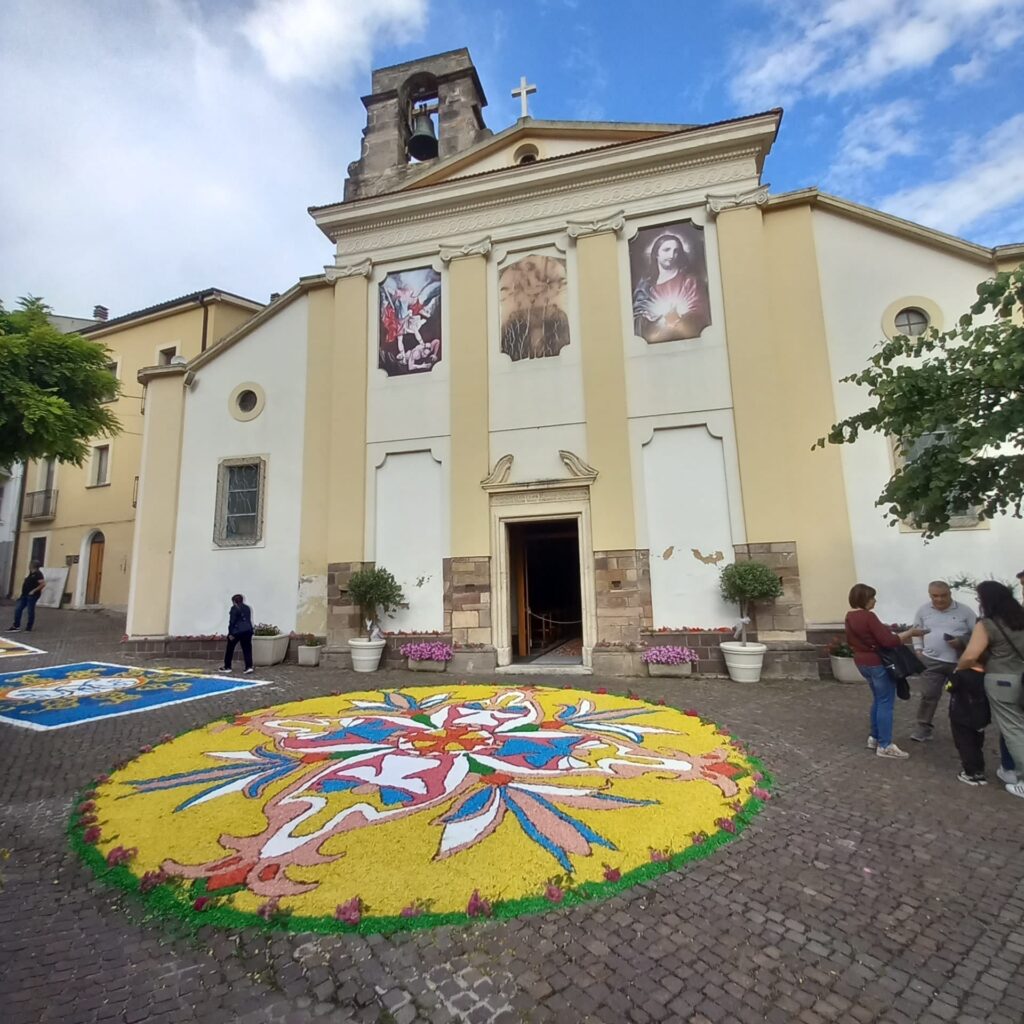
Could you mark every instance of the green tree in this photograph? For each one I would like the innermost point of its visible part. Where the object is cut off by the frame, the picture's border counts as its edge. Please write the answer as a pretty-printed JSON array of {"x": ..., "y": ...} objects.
[
  {"x": 53, "y": 388},
  {"x": 954, "y": 403}
]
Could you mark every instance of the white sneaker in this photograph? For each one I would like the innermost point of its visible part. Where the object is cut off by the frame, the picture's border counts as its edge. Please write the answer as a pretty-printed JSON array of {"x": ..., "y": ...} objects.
[
  {"x": 1016, "y": 789},
  {"x": 1007, "y": 776},
  {"x": 892, "y": 751},
  {"x": 248, "y": 671},
  {"x": 872, "y": 743}
]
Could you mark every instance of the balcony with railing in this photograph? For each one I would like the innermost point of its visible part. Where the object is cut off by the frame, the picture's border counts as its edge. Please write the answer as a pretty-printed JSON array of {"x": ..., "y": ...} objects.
[{"x": 40, "y": 505}]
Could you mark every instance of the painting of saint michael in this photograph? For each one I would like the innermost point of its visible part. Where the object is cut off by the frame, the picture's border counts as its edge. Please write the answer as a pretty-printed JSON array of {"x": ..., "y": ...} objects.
[
  {"x": 534, "y": 322},
  {"x": 670, "y": 282},
  {"x": 410, "y": 322}
]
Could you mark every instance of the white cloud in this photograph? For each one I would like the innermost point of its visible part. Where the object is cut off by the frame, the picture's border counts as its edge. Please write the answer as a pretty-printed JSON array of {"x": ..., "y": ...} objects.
[
  {"x": 972, "y": 70},
  {"x": 871, "y": 139},
  {"x": 989, "y": 181},
  {"x": 829, "y": 47},
  {"x": 325, "y": 40},
  {"x": 148, "y": 153}
]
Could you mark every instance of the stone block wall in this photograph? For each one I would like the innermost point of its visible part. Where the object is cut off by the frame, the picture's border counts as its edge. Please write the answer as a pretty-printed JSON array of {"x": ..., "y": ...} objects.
[
  {"x": 622, "y": 581},
  {"x": 467, "y": 599},
  {"x": 782, "y": 619},
  {"x": 343, "y": 617}
]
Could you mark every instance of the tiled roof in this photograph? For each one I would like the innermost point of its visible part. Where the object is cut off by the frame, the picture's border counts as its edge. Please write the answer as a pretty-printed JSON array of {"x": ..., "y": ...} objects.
[{"x": 160, "y": 307}]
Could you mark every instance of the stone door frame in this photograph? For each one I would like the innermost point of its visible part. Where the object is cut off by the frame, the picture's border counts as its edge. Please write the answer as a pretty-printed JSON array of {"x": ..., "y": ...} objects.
[{"x": 535, "y": 504}]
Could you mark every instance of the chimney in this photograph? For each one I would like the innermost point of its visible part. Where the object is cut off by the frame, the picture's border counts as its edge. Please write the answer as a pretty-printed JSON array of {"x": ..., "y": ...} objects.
[
  {"x": 274, "y": 296},
  {"x": 100, "y": 312}
]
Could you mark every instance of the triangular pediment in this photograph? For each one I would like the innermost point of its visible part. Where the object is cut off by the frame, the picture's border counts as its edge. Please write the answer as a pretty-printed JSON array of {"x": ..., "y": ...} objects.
[{"x": 531, "y": 141}]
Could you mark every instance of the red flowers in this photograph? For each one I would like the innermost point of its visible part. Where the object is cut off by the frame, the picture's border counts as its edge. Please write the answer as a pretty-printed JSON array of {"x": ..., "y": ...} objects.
[
  {"x": 412, "y": 910},
  {"x": 761, "y": 794},
  {"x": 690, "y": 712},
  {"x": 92, "y": 834},
  {"x": 151, "y": 879},
  {"x": 555, "y": 893},
  {"x": 611, "y": 874},
  {"x": 601, "y": 689},
  {"x": 726, "y": 825},
  {"x": 658, "y": 856},
  {"x": 86, "y": 806},
  {"x": 478, "y": 906},
  {"x": 698, "y": 838},
  {"x": 200, "y": 903},
  {"x": 350, "y": 912},
  {"x": 120, "y": 855},
  {"x": 102, "y": 778},
  {"x": 145, "y": 749}
]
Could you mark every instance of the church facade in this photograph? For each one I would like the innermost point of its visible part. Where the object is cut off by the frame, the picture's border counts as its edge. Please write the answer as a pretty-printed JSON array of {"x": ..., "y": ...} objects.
[{"x": 556, "y": 377}]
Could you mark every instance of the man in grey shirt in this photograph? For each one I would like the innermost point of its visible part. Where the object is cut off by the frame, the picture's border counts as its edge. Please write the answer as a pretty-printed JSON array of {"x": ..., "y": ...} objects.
[{"x": 949, "y": 625}]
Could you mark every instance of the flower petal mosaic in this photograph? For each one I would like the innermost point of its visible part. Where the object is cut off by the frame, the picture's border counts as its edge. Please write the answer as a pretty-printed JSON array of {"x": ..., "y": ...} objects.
[{"x": 396, "y": 809}]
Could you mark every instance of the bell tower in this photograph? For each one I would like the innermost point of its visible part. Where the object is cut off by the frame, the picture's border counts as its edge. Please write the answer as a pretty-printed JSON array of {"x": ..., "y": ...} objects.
[{"x": 418, "y": 111}]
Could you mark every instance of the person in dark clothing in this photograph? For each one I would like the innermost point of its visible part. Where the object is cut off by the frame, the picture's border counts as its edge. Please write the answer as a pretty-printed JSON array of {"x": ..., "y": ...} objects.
[
  {"x": 240, "y": 633},
  {"x": 32, "y": 586},
  {"x": 969, "y": 714}
]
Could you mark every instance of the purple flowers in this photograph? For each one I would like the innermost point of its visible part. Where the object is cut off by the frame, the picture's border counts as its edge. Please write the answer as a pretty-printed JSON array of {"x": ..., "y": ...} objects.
[
  {"x": 350, "y": 912},
  {"x": 669, "y": 655},
  {"x": 435, "y": 651},
  {"x": 478, "y": 906}
]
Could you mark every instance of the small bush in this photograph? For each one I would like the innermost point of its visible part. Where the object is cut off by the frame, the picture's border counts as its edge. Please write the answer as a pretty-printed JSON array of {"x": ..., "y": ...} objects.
[{"x": 266, "y": 629}]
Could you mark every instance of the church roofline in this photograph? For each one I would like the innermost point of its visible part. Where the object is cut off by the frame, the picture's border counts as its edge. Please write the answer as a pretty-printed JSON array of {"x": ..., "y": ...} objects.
[
  {"x": 896, "y": 225},
  {"x": 758, "y": 129},
  {"x": 162, "y": 309}
]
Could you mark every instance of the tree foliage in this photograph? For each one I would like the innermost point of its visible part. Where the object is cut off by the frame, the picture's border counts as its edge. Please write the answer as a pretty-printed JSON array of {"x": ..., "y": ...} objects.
[
  {"x": 954, "y": 403},
  {"x": 53, "y": 388},
  {"x": 376, "y": 592}
]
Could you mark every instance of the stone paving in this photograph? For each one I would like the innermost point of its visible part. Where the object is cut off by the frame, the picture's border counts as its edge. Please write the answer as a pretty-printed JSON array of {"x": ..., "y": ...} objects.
[{"x": 868, "y": 890}]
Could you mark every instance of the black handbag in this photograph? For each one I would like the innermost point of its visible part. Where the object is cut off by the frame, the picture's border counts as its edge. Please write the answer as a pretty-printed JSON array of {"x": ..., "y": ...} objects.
[
  {"x": 968, "y": 704},
  {"x": 902, "y": 662}
]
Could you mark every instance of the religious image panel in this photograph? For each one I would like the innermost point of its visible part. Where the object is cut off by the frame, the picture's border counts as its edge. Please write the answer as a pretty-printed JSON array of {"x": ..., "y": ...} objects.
[
  {"x": 534, "y": 317},
  {"x": 669, "y": 272},
  {"x": 410, "y": 322}
]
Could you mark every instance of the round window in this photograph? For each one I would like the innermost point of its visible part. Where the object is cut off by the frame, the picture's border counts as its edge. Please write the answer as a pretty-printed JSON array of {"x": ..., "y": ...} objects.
[
  {"x": 911, "y": 321},
  {"x": 247, "y": 400}
]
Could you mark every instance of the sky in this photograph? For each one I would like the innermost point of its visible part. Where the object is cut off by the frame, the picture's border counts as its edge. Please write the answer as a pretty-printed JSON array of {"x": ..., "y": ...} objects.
[{"x": 152, "y": 148}]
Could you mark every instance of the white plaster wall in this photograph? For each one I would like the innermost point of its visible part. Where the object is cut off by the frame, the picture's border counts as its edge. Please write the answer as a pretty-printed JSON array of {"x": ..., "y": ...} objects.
[
  {"x": 687, "y": 507},
  {"x": 862, "y": 270},
  {"x": 411, "y": 531},
  {"x": 416, "y": 405},
  {"x": 9, "y": 521},
  {"x": 534, "y": 450},
  {"x": 205, "y": 576},
  {"x": 534, "y": 392},
  {"x": 676, "y": 376}
]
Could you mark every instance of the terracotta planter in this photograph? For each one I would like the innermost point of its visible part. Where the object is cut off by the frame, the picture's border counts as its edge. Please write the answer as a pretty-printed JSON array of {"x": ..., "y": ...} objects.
[
  {"x": 269, "y": 650},
  {"x": 683, "y": 669},
  {"x": 309, "y": 655},
  {"x": 426, "y": 666},
  {"x": 844, "y": 670},
  {"x": 743, "y": 661}
]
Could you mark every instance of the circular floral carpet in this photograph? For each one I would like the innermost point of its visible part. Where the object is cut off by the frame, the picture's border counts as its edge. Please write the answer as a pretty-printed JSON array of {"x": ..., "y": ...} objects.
[{"x": 384, "y": 810}]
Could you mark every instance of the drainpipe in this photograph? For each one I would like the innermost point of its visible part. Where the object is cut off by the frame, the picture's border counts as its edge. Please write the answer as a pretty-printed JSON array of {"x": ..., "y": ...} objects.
[
  {"x": 206, "y": 317},
  {"x": 17, "y": 530}
]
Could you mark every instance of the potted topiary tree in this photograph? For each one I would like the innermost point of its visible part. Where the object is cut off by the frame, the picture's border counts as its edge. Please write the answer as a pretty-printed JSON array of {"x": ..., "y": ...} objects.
[
  {"x": 377, "y": 593},
  {"x": 743, "y": 583}
]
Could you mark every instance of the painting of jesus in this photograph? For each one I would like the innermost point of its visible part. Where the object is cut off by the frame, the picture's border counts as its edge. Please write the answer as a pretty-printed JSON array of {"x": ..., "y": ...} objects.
[
  {"x": 670, "y": 282},
  {"x": 410, "y": 322}
]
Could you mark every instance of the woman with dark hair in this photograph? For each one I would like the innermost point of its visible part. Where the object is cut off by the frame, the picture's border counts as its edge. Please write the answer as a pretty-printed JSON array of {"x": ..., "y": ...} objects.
[
  {"x": 1000, "y": 632},
  {"x": 865, "y": 634},
  {"x": 239, "y": 632}
]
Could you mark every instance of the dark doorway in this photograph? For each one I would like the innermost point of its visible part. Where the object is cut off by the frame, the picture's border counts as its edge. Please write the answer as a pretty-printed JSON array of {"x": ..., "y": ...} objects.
[
  {"x": 546, "y": 604},
  {"x": 38, "y": 550}
]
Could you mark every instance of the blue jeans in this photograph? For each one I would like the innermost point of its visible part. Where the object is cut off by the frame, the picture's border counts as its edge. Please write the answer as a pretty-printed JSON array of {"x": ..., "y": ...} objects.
[
  {"x": 883, "y": 691},
  {"x": 30, "y": 604}
]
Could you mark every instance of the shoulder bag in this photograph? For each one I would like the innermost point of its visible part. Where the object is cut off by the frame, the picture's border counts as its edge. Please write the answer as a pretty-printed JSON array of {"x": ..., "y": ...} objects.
[{"x": 1016, "y": 650}]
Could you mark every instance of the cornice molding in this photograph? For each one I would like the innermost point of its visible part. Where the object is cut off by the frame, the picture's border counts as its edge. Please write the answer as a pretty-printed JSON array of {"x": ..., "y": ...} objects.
[
  {"x": 578, "y": 469},
  {"x": 332, "y": 272},
  {"x": 615, "y": 223},
  {"x": 717, "y": 202},
  {"x": 455, "y": 252}
]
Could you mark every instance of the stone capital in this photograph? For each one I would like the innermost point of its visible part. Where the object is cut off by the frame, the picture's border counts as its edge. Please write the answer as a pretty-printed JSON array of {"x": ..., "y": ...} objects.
[
  {"x": 455, "y": 252},
  {"x": 615, "y": 223},
  {"x": 717, "y": 202},
  {"x": 332, "y": 272}
]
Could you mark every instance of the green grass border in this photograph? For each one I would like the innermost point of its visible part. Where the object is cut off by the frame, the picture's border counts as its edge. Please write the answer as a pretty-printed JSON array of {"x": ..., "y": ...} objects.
[{"x": 174, "y": 901}]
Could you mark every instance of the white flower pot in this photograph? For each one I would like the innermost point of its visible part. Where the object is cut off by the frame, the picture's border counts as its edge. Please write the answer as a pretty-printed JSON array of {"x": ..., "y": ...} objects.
[
  {"x": 309, "y": 655},
  {"x": 844, "y": 670},
  {"x": 426, "y": 666},
  {"x": 365, "y": 653},
  {"x": 684, "y": 669},
  {"x": 269, "y": 650},
  {"x": 743, "y": 661}
]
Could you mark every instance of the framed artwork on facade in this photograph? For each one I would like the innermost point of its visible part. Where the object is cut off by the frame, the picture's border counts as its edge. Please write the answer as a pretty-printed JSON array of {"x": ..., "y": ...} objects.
[
  {"x": 669, "y": 275},
  {"x": 410, "y": 322},
  {"x": 533, "y": 297}
]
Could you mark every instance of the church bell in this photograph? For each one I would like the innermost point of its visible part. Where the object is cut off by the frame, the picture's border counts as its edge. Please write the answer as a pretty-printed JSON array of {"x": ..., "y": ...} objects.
[{"x": 422, "y": 142}]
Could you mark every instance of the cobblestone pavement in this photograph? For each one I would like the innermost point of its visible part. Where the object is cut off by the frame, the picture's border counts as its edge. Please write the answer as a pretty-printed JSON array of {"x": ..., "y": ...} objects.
[{"x": 868, "y": 890}]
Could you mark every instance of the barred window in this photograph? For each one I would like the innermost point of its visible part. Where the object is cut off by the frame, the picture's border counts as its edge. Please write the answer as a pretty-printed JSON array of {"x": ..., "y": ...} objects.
[{"x": 240, "y": 491}]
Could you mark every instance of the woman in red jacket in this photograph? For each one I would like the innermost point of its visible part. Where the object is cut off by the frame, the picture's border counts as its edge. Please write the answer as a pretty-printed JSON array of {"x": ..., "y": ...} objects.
[{"x": 865, "y": 634}]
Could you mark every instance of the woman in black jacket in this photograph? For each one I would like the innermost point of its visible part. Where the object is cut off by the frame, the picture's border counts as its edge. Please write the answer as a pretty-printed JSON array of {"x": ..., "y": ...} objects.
[{"x": 239, "y": 632}]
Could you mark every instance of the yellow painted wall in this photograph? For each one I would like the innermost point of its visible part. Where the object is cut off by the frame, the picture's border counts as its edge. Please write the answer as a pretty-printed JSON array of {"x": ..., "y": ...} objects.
[
  {"x": 783, "y": 399},
  {"x": 316, "y": 462},
  {"x": 347, "y": 469},
  {"x": 148, "y": 614},
  {"x": 604, "y": 393},
  {"x": 467, "y": 356}
]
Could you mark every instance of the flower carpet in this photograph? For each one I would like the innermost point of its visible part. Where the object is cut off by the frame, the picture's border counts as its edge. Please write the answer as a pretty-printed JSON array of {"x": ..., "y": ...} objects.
[
  {"x": 63, "y": 695},
  {"x": 14, "y": 649},
  {"x": 388, "y": 810}
]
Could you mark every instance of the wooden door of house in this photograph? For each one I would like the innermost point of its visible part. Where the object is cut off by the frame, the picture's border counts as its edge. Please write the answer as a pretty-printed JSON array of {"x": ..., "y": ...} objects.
[{"x": 95, "y": 577}]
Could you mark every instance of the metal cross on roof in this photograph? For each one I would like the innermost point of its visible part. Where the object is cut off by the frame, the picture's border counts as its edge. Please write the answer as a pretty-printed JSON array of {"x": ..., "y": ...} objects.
[{"x": 522, "y": 92}]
